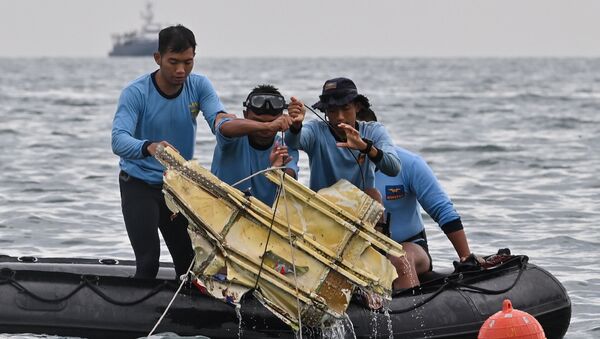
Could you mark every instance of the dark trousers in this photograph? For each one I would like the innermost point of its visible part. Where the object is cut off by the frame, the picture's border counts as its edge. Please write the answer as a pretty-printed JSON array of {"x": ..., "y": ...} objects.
[{"x": 145, "y": 212}]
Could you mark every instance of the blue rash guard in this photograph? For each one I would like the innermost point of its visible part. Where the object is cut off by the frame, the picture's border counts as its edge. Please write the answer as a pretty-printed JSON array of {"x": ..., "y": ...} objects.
[
  {"x": 235, "y": 159},
  {"x": 415, "y": 184},
  {"x": 330, "y": 163},
  {"x": 145, "y": 114}
]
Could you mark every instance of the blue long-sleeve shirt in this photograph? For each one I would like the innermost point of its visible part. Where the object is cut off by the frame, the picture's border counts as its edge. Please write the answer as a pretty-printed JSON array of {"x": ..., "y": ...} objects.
[
  {"x": 146, "y": 114},
  {"x": 235, "y": 159},
  {"x": 330, "y": 163},
  {"x": 415, "y": 185}
]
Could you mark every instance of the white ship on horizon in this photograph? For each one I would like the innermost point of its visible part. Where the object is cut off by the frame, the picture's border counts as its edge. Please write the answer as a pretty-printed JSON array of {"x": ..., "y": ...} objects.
[{"x": 142, "y": 42}]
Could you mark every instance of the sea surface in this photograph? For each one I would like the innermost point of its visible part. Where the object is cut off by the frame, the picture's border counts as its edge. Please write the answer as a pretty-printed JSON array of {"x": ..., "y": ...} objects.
[{"x": 515, "y": 143}]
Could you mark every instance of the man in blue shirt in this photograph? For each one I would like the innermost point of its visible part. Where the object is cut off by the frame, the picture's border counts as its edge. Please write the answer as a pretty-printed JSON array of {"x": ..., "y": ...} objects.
[
  {"x": 342, "y": 147},
  {"x": 247, "y": 146},
  {"x": 160, "y": 108},
  {"x": 402, "y": 194}
]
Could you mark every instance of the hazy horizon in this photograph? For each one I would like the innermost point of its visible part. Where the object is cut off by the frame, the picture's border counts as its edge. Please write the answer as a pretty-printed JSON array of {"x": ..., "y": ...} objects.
[{"x": 312, "y": 28}]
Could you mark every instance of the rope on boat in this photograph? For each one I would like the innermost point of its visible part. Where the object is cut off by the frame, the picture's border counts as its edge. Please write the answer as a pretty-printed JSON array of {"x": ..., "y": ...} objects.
[
  {"x": 184, "y": 279},
  {"x": 488, "y": 291},
  {"x": 448, "y": 283},
  {"x": 85, "y": 282}
]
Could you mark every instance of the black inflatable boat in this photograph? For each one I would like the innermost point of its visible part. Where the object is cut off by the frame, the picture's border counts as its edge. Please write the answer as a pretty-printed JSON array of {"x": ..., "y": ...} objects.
[{"x": 99, "y": 299}]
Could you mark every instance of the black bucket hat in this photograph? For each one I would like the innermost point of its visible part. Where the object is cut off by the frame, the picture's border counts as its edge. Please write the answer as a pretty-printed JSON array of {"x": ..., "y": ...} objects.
[{"x": 337, "y": 92}]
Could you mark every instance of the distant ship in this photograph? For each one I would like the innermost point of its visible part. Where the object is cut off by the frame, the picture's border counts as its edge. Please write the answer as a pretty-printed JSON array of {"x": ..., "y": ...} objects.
[{"x": 143, "y": 42}]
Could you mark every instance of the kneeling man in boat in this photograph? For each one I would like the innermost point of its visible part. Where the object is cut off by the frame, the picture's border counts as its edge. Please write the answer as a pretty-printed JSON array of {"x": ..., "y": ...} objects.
[
  {"x": 250, "y": 145},
  {"x": 403, "y": 194}
]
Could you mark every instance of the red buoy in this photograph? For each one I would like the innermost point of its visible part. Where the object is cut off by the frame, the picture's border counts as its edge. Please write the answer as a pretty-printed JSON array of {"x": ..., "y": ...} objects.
[{"x": 510, "y": 323}]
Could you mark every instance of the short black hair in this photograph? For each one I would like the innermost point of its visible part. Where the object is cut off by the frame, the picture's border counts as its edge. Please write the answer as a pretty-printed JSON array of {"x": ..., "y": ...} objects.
[
  {"x": 175, "y": 39},
  {"x": 264, "y": 89}
]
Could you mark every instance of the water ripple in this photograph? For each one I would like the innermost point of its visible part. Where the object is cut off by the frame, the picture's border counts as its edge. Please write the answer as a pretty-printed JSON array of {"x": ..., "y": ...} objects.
[{"x": 514, "y": 142}]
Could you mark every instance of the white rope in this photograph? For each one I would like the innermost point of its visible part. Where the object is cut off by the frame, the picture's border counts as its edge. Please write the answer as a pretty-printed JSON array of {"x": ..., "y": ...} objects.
[
  {"x": 259, "y": 172},
  {"x": 292, "y": 249},
  {"x": 184, "y": 278}
]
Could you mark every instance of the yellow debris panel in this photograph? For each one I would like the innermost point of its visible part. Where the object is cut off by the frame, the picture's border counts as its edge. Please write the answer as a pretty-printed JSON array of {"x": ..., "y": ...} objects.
[{"x": 305, "y": 258}]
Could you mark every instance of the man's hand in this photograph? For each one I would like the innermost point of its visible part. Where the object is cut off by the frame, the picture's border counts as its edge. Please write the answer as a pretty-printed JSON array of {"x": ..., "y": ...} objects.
[
  {"x": 474, "y": 257},
  {"x": 279, "y": 156},
  {"x": 297, "y": 111},
  {"x": 153, "y": 147},
  {"x": 281, "y": 124},
  {"x": 353, "y": 139}
]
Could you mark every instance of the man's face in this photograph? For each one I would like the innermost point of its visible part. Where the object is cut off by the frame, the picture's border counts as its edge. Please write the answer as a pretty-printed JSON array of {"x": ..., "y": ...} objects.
[
  {"x": 342, "y": 114},
  {"x": 175, "y": 67},
  {"x": 262, "y": 137}
]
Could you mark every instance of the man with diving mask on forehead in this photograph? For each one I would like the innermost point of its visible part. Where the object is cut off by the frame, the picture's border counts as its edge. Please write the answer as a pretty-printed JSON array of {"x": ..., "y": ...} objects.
[{"x": 247, "y": 146}]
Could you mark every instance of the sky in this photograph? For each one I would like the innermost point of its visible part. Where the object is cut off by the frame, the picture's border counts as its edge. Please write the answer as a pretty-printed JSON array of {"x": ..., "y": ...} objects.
[{"x": 313, "y": 28}]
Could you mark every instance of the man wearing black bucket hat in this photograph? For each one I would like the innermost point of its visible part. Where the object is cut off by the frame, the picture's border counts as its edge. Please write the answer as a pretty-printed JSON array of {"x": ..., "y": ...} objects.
[{"x": 341, "y": 147}]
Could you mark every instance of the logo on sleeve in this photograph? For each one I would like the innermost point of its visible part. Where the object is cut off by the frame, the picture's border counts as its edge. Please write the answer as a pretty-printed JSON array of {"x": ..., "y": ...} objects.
[
  {"x": 394, "y": 192},
  {"x": 194, "y": 109}
]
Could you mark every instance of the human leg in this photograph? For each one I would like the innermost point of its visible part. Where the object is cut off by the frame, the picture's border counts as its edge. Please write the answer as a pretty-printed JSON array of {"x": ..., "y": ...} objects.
[
  {"x": 141, "y": 214},
  {"x": 416, "y": 261},
  {"x": 177, "y": 239}
]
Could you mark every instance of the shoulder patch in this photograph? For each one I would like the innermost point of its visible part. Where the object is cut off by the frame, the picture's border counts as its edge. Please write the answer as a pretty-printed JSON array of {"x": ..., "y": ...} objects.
[{"x": 194, "y": 109}]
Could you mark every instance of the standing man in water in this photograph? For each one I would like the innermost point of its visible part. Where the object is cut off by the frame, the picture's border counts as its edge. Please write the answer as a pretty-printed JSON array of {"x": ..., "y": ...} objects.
[
  {"x": 160, "y": 108},
  {"x": 402, "y": 194}
]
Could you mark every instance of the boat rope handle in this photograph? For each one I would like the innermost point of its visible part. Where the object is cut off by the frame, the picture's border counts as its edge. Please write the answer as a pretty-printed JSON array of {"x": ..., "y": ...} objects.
[
  {"x": 85, "y": 282},
  {"x": 487, "y": 291},
  {"x": 23, "y": 289},
  {"x": 456, "y": 283},
  {"x": 126, "y": 303},
  {"x": 184, "y": 279}
]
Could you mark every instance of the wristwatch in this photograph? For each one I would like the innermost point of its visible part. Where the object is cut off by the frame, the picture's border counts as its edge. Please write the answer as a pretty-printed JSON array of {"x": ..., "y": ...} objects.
[{"x": 369, "y": 146}]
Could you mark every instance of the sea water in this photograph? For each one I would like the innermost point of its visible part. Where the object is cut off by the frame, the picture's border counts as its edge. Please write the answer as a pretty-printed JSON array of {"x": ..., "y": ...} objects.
[{"x": 515, "y": 143}]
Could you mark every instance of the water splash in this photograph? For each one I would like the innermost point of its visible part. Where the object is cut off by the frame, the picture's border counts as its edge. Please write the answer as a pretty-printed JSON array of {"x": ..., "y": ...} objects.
[
  {"x": 374, "y": 324},
  {"x": 416, "y": 314},
  {"x": 388, "y": 318},
  {"x": 339, "y": 329},
  {"x": 238, "y": 314}
]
